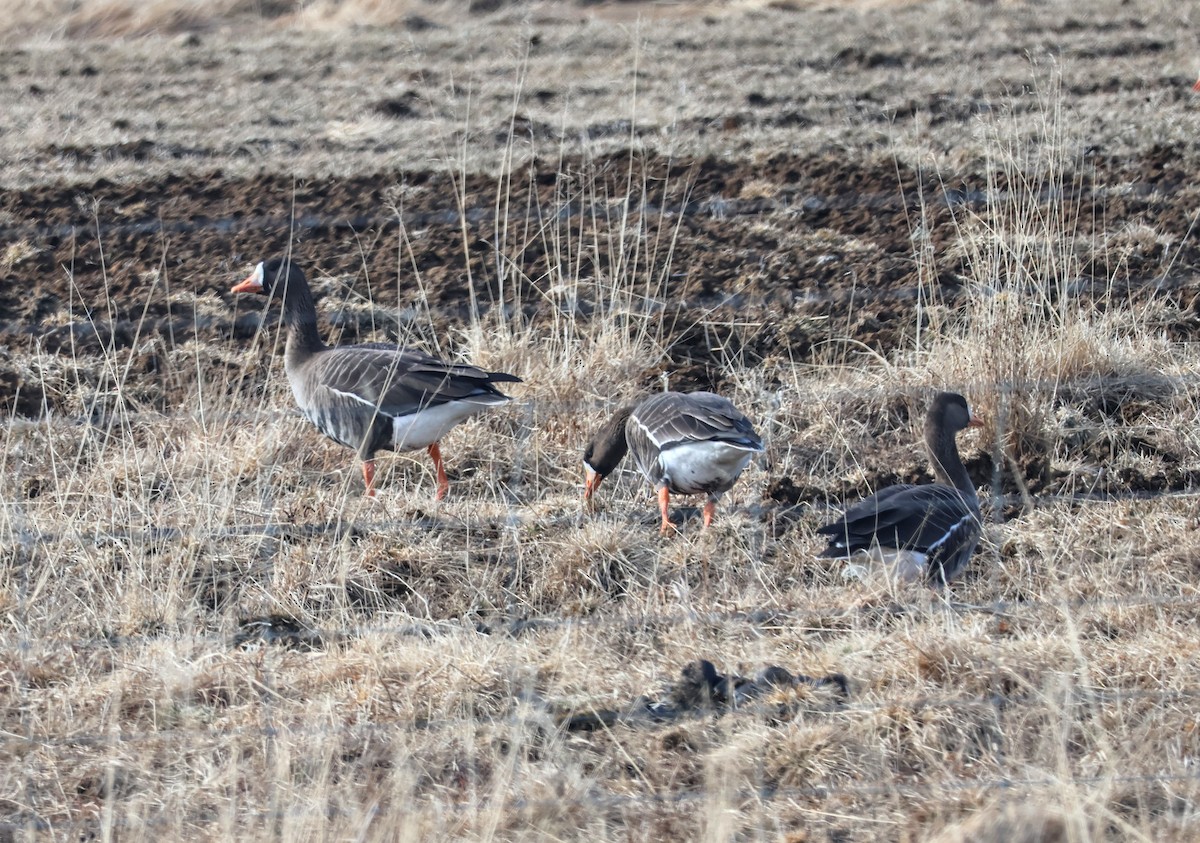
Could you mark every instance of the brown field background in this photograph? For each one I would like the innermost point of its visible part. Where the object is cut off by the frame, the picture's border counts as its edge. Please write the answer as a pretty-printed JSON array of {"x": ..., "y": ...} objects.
[{"x": 825, "y": 211}]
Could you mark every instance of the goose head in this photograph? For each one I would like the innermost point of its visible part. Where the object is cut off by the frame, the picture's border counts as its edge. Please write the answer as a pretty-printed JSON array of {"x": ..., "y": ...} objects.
[
  {"x": 273, "y": 278},
  {"x": 605, "y": 451},
  {"x": 950, "y": 414}
]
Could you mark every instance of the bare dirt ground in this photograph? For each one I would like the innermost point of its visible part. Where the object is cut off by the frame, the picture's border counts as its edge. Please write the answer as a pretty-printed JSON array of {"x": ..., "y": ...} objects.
[{"x": 824, "y": 212}]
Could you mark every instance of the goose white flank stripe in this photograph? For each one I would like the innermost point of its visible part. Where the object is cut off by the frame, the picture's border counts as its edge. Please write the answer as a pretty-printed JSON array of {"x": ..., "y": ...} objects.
[
  {"x": 955, "y": 531},
  {"x": 647, "y": 432},
  {"x": 351, "y": 396},
  {"x": 687, "y": 444},
  {"x": 374, "y": 396}
]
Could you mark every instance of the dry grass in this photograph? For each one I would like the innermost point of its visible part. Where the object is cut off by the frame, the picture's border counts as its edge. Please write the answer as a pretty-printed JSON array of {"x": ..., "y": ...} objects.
[{"x": 207, "y": 633}]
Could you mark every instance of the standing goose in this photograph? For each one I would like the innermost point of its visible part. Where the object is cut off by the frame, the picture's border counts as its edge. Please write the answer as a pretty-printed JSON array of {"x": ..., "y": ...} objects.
[
  {"x": 937, "y": 525},
  {"x": 687, "y": 444},
  {"x": 374, "y": 396}
]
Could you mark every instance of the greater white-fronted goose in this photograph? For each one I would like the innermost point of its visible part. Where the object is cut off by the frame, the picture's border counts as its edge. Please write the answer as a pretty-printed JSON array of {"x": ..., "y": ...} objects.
[
  {"x": 689, "y": 444},
  {"x": 937, "y": 524},
  {"x": 373, "y": 396}
]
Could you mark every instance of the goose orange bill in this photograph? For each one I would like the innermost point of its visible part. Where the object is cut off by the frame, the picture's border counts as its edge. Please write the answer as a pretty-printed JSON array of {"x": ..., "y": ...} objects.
[
  {"x": 591, "y": 483},
  {"x": 975, "y": 422},
  {"x": 1196, "y": 87},
  {"x": 250, "y": 285},
  {"x": 253, "y": 283}
]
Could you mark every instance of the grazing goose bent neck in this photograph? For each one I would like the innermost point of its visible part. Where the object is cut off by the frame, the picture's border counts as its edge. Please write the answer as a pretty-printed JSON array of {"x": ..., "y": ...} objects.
[
  {"x": 942, "y": 424},
  {"x": 684, "y": 443},
  {"x": 606, "y": 450}
]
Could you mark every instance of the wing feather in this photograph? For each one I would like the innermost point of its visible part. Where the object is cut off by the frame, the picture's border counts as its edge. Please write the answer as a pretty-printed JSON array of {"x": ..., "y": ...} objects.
[
  {"x": 921, "y": 518},
  {"x": 401, "y": 381},
  {"x": 673, "y": 418}
]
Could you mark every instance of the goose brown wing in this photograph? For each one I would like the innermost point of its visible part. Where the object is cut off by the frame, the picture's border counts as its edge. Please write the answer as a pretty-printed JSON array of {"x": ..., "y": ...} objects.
[
  {"x": 920, "y": 518},
  {"x": 400, "y": 381},
  {"x": 674, "y": 418}
]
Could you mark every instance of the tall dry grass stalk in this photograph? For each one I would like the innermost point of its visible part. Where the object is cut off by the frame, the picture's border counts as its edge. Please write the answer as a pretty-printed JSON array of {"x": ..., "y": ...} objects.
[
  {"x": 579, "y": 278},
  {"x": 1039, "y": 316}
]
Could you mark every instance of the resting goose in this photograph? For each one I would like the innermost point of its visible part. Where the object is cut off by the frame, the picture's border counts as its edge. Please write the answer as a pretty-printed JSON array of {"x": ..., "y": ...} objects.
[
  {"x": 938, "y": 524},
  {"x": 373, "y": 396},
  {"x": 687, "y": 444}
]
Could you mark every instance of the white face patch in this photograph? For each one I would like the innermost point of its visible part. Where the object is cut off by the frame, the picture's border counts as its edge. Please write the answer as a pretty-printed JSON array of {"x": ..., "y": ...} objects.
[{"x": 258, "y": 273}]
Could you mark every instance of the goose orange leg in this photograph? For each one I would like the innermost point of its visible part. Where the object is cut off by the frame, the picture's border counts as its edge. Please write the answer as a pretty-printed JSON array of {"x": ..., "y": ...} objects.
[
  {"x": 369, "y": 477},
  {"x": 664, "y": 502},
  {"x": 443, "y": 482},
  {"x": 710, "y": 509}
]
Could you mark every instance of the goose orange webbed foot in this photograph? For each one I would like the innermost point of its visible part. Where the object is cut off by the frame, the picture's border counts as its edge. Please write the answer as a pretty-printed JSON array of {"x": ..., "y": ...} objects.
[{"x": 664, "y": 504}]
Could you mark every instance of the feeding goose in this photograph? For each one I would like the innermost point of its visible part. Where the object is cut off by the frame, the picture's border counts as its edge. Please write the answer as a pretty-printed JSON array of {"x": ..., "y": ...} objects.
[
  {"x": 937, "y": 525},
  {"x": 689, "y": 444},
  {"x": 373, "y": 396}
]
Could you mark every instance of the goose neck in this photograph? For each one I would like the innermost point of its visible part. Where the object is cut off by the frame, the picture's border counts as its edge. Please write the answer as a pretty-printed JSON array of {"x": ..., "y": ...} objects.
[
  {"x": 611, "y": 442},
  {"x": 947, "y": 464},
  {"x": 300, "y": 319}
]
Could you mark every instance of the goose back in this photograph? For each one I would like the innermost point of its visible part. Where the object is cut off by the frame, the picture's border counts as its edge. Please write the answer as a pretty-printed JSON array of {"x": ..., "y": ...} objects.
[
  {"x": 695, "y": 443},
  {"x": 384, "y": 397},
  {"x": 938, "y": 522}
]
